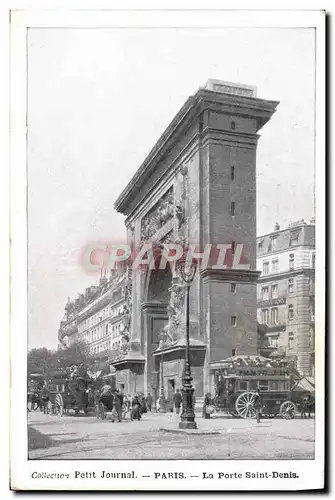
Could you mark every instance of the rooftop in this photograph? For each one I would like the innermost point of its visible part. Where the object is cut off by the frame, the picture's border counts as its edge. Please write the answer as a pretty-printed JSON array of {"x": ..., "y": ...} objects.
[{"x": 292, "y": 225}]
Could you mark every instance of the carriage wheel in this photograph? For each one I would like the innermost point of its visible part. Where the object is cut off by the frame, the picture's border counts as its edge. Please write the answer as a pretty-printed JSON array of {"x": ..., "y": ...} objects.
[
  {"x": 288, "y": 410},
  {"x": 59, "y": 405},
  {"x": 49, "y": 408},
  {"x": 100, "y": 411},
  {"x": 245, "y": 405}
]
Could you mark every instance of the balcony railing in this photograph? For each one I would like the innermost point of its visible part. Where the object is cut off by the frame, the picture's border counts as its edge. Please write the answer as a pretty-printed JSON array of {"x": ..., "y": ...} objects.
[{"x": 280, "y": 327}]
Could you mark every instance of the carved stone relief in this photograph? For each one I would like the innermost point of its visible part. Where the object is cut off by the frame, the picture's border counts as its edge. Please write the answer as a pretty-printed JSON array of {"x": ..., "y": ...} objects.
[
  {"x": 126, "y": 319},
  {"x": 173, "y": 331},
  {"x": 158, "y": 216}
]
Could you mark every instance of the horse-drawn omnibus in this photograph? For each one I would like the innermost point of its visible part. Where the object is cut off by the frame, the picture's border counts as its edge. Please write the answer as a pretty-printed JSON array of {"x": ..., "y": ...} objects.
[
  {"x": 237, "y": 378},
  {"x": 70, "y": 393}
]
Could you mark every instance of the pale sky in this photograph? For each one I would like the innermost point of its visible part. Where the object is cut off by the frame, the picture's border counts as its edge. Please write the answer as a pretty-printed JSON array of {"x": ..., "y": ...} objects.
[{"x": 98, "y": 100}]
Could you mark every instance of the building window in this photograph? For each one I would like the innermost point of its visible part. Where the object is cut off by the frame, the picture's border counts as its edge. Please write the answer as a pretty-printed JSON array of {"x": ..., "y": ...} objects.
[
  {"x": 265, "y": 293},
  {"x": 291, "y": 261},
  {"x": 274, "y": 316},
  {"x": 232, "y": 208},
  {"x": 260, "y": 244},
  {"x": 274, "y": 291},
  {"x": 290, "y": 340},
  {"x": 233, "y": 287},
  {"x": 290, "y": 285},
  {"x": 265, "y": 316},
  {"x": 233, "y": 321},
  {"x": 243, "y": 386},
  {"x": 290, "y": 312},
  {"x": 232, "y": 173},
  {"x": 273, "y": 341},
  {"x": 273, "y": 243},
  {"x": 263, "y": 385},
  {"x": 265, "y": 268},
  {"x": 274, "y": 266},
  {"x": 294, "y": 238}
]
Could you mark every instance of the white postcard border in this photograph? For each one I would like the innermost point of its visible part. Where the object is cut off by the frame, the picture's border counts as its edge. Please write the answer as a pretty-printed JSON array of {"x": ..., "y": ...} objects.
[{"x": 310, "y": 471}]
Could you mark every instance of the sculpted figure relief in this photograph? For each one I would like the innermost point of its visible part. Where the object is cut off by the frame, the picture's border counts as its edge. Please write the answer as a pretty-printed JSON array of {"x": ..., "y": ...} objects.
[
  {"x": 159, "y": 215},
  {"x": 126, "y": 318},
  {"x": 171, "y": 333}
]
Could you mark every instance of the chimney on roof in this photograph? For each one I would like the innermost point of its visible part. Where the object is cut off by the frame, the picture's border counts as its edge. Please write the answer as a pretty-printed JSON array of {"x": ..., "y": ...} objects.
[
  {"x": 276, "y": 227},
  {"x": 103, "y": 281}
]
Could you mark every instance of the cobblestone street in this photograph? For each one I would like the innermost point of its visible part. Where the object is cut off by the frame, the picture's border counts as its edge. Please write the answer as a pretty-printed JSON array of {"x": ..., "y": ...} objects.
[{"x": 85, "y": 437}]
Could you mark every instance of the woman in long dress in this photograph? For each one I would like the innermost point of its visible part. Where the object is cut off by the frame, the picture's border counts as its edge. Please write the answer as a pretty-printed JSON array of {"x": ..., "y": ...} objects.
[{"x": 206, "y": 405}]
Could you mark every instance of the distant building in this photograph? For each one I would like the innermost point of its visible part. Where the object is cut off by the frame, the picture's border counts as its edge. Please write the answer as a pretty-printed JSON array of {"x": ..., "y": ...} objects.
[
  {"x": 96, "y": 317},
  {"x": 285, "y": 293}
]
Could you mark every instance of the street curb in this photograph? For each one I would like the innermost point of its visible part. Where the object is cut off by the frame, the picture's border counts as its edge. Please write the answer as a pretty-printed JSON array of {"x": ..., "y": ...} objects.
[{"x": 198, "y": 432}]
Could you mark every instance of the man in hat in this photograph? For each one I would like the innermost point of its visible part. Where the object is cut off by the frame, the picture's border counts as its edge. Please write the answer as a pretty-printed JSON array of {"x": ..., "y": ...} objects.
[
  {"x": 177, "y": 399},
  {"x": 149, "y": 401},
  {"x": 117, "y": 406}
]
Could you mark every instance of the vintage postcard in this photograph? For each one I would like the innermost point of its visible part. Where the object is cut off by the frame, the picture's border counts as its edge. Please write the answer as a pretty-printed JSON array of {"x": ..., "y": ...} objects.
[{"x": 168, "y": 235}]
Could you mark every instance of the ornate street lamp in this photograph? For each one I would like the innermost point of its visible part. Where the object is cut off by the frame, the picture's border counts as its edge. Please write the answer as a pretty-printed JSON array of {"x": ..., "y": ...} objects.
[{"x": 187, "y": 272}]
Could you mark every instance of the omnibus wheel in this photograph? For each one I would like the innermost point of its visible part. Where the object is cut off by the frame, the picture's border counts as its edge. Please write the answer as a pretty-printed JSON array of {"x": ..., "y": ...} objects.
[
  {"x": 288, "y": 410},
  {"x": 59, "y": 405},
  {"x": 245, "y": 405}
]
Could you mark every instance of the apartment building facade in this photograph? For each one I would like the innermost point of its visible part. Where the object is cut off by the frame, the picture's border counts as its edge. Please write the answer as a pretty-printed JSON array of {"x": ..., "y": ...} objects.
[
  {"x": 285, "y": 293},
  {"x": 96, "y": 317}
]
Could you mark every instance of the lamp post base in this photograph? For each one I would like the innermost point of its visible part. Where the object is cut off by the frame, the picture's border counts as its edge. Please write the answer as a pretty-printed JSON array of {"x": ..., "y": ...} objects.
[{"x": 187, "y": 418}]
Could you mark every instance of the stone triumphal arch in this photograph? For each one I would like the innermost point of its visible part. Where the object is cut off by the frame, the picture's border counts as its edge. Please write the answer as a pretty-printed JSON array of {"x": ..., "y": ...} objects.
[{"x": 196, "y": 187}]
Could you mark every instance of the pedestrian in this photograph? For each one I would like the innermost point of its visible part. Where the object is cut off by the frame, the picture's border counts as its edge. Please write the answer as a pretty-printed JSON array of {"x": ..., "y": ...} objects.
[
  {"x": 305, "y": 407},
  {"x": 135, "y": 409},
  {"x": 106, "y": 395},
  {"x": 158, "y": 406},
  {"x": 230, "y": 397},
  {"x": 125, "y": 406},
  {"x": 207, "y": 408},
  {"x": 176, "y": 401},
  {"x": 143, "y": 403},
  {"x": 258, "y": 405},
  {"x": 117, "y": 406},
  {"x": 149, "y": 401}
]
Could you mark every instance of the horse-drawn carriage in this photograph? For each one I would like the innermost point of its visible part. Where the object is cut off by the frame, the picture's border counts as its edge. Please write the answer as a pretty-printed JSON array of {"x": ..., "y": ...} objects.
[
  {"x": 35, "y": 384},
  {"x": 70, "y": 393},
  {"x": 237, "y": 378}
]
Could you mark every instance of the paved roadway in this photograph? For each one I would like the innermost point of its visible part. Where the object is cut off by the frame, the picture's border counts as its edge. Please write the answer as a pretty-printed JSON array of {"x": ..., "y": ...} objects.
[{"x": 85, "y": 437}]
